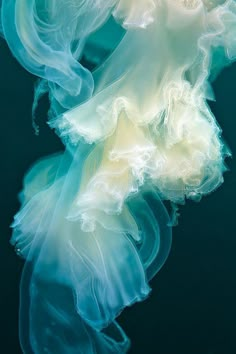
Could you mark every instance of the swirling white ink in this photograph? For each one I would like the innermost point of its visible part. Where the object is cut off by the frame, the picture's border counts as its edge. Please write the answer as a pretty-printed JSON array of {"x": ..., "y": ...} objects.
[{"x": 137, "y": 130}]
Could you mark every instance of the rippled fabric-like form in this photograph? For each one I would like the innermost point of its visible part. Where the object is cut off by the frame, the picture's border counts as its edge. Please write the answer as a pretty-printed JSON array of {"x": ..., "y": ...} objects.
[{"x": 93, "y": 227}]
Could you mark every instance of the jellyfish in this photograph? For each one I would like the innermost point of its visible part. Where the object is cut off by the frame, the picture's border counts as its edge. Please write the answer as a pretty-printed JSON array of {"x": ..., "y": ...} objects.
[{"x": 93, "y": 226}]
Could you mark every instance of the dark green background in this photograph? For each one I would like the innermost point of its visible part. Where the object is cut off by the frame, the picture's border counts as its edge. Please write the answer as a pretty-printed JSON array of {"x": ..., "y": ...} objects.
[{"x": 192, "y": 309}]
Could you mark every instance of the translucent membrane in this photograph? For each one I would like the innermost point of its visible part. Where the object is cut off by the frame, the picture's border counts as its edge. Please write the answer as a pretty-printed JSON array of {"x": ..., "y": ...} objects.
[{"x": 93, "y": 228}]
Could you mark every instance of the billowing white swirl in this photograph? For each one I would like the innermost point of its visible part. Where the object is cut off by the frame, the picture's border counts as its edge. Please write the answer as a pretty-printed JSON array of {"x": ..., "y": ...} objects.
[{"x": 138, "y": 131}]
